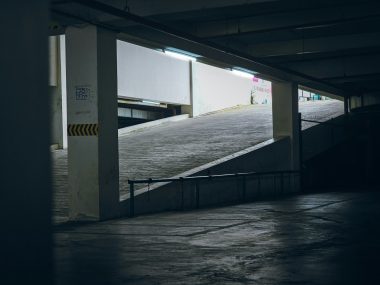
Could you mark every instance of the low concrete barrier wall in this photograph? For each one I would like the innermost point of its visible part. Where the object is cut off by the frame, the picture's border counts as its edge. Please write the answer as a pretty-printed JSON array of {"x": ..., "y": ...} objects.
[
  {"x": 270, "y": 155},
  {"x": 322, "y": 137}
]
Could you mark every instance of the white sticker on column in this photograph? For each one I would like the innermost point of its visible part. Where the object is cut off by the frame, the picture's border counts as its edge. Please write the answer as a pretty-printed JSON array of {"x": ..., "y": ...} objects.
[{"x": 83, "y": 105}]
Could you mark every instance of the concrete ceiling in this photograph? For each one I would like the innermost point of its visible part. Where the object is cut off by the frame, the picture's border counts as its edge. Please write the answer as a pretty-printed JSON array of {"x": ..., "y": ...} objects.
[{"x": 332, "y": 45}]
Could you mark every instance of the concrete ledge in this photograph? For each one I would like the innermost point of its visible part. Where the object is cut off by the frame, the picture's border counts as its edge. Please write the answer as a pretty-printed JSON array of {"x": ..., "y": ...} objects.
[{"x": 128, "y": 130}]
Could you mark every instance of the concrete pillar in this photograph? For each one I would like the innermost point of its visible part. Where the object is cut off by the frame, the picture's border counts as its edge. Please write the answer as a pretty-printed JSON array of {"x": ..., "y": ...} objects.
[
  {"x": 55, "y": 91},
  {"x": 346, "y": 110},
  {"x": 62, "y": 50},
  {"x": 285, "y": 117},
  {"x": 189, "y": 109},
  {"x": 25, "y": 188},
  {"x": 92, "y": 123}
]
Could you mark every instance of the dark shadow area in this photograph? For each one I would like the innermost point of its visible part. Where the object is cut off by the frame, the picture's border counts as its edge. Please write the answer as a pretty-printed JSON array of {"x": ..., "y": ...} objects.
[{"x": 351, "y": 164}]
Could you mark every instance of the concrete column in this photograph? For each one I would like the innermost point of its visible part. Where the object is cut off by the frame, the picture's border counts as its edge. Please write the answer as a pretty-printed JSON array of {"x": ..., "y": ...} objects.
[
  {"x": 189, "y": 109},
  {"x": 55, "y": 91},
  {"x": 25, "y": 188},
  {"x": 285, "y": 117},
  {"x": 62, "y": 50},
  {"x": 346, "y": 110},
  {"x": 92, "y": 123}
]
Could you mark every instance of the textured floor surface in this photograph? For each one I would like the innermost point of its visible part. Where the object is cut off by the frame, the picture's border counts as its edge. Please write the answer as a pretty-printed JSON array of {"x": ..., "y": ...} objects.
[
  {"x": 328, "y": 238},
  {"x": 168, "y": 150}
]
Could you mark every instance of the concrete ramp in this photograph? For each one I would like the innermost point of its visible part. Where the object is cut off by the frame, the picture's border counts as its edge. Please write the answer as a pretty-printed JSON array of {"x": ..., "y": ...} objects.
[{"x": 271, "y": 155}]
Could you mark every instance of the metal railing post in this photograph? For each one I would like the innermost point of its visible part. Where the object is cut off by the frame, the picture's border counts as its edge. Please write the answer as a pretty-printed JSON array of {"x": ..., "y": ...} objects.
[
  {"x": 282, "y": 183},
  {"x": 197, "y": 194},
  {"x": 300, "y": 150},
  {"x": 244, "y": 188},
  {"x": 182, "y": 194},
  {"x": 237, "y": 184},
  {"x": 131, "y": 199},
  {"x": 259, "y": 185}
]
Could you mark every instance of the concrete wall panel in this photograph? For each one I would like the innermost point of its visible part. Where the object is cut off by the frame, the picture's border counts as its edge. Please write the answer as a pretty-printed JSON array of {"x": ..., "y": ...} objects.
[
  {"x": 216, "y": 89},
  {"x": 367, "y": 100},
  {"x": 321, "y": 137},
  {"x": 151, "y": 75}
]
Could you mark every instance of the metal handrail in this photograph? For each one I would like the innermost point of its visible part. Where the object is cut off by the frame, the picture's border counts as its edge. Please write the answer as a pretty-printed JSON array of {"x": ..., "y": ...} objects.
[
  {"x": 197, "y": 179},
  {"x": 153, "y": 180},
  {"x": 323, "y": 123}
]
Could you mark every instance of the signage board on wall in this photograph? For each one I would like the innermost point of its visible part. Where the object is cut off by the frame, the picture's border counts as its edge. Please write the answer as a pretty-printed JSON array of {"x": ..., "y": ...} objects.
[{"x": 261, "y": 91}]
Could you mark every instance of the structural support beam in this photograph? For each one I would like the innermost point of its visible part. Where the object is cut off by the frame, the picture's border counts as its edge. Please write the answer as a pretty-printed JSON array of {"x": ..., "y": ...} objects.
[
  {"x": 237, "y": 28},
  {"x": 314, "y": 45},
  {"x": 285, "y": 117},
  {"x": 25, "y": 191},
  {"x": 340, "y": 69},
  {"x": 92, "y": 123},
  {"x": 172, "y": 37}
]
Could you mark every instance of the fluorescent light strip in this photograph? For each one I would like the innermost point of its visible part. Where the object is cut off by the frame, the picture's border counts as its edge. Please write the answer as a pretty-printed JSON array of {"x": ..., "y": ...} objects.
[
  {"x": 242, "y": 73},
  {"x": 180, "y": 56}
]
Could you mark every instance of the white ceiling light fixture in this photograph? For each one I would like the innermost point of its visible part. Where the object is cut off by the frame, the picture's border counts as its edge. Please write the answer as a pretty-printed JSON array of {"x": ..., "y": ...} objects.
[
  {"x": 180, "y": 56},
  {"x": 242, "y": 73}
]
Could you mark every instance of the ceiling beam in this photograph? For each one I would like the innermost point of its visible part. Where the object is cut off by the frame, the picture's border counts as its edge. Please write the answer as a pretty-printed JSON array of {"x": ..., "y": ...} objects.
[
  {"x": 307, "y": 28},
  {"x": 213, "y": 51},
  {"x": 207, "y": 11},
  {"x": 355, "y": 78},
  {"x": 287, "y": 20},
  {"x": 320, "y": 55},
  {"x": 339, "y": 68},
  {"x": 320, "y": 44},
  {"x": 149, "y": 8}
]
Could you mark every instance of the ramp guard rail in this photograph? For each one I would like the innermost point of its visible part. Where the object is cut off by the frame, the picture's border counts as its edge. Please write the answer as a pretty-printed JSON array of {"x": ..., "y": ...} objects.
[
  {"x": 198, "y": 179},
  {"x": 323, "y": 123}
]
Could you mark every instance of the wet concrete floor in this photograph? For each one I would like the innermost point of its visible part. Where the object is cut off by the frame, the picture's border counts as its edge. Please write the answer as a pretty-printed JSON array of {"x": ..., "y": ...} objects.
[{"x": 327, "y": 238}]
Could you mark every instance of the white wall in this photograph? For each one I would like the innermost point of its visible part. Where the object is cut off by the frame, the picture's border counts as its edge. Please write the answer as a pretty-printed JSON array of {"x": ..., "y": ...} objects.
[
  {"x": 215, "y": 89},
  {"x": 262, "y": 91},
  {"x": 151, "y": 75}
]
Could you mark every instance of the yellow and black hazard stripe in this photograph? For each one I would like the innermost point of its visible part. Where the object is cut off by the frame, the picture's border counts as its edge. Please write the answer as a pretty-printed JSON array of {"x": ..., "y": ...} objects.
[{"x": 82, "y": 129}]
